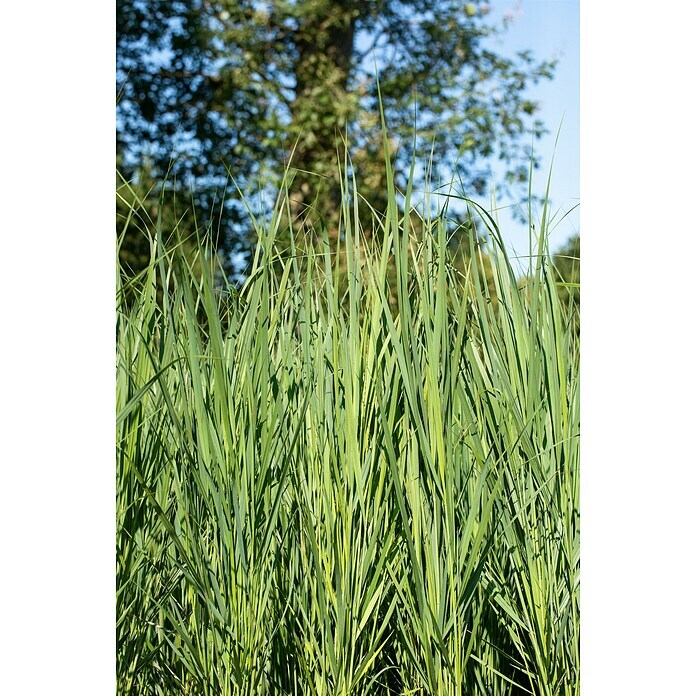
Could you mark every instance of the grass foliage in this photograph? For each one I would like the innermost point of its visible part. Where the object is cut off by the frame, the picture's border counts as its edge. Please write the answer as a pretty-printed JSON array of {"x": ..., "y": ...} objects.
[{"x": 356, "y": 474}]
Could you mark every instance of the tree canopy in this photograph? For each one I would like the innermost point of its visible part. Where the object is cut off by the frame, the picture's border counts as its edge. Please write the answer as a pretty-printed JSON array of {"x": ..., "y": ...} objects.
[{"x": 211, "y": 87}]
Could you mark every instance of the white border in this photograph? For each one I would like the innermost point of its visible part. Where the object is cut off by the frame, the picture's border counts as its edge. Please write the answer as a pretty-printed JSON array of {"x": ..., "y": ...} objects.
[
  {"x": 57, "y": 284},
  {"x": 638, "y": 377}
]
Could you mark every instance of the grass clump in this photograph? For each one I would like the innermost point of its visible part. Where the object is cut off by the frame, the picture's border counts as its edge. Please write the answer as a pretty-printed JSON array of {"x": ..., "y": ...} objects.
[{"x": 355, "y": 474}]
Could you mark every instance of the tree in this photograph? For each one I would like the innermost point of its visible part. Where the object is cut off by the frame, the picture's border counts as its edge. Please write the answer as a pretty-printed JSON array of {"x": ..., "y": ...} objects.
[{"x": 234, "y": 85}]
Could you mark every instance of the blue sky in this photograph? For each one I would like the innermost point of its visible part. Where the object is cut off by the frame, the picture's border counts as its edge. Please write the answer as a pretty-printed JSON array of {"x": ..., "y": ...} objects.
[{"x": 550, "y": 28}]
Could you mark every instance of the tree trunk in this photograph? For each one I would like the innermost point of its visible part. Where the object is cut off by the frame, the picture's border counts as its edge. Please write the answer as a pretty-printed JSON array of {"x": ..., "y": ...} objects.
[{"x": 324, "y": 53}]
